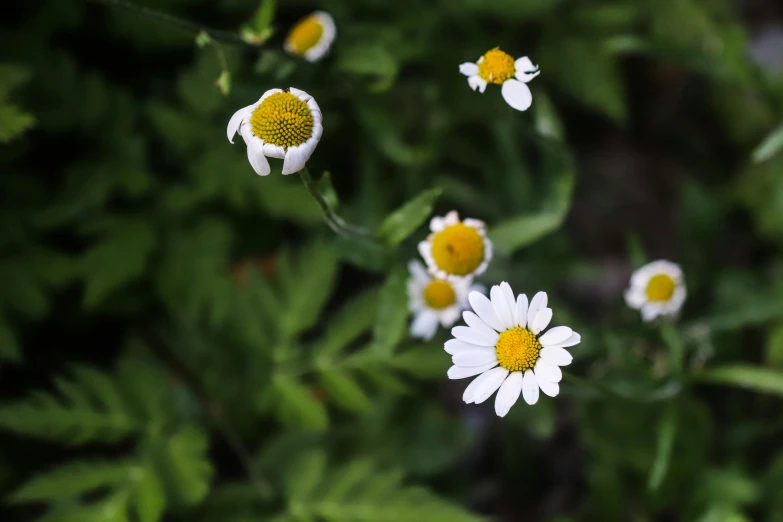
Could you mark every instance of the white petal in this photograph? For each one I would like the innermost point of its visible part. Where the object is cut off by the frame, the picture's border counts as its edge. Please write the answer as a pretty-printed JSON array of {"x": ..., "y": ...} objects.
[
  {"x": 512, "y": 303},
  {"x": 474, "y": 322},
  {"x": 550, "y": 388},
  {"x": 558, "y": 356},
  {"x": 469, "y": 69},
  {"x": 537, "y": 303},
  {"x": 479, "y": 225},
  {"x": 424, "y": 325},
  {"x": 571, "y": 341},
  {"x": 508, "y": 393},
  {"x": 524, "y": 64},
  {"x": 483, "y": 308},
  {"x": 452, "y": 218},
  {"x": 455, "y": 346},
  {"x": 530, "y": 387},
  {"x": 299, "y": 94},
  {"x": 546, "y": 371},
  {"x": 294, "y": 160},
  {"x": 635, "y": 297},
  {"x": 236, "y": 120},
  {"x": 273, "y": 151},
  {"x": 522, "y": 310},
  {"x": 494, "y": 378},
  {"x": 460, "y": 372},
  {"x": 418, "y": 272},
  {"x": 475, "y": 357},
  {"x": 542, "y": 320},
  {"x": 448, "y": 316},
  {"x": 255, "y": 154},
  {"x": 555, "y": 335},
  {"x": 469, "y": 335},
  {"x": 517, "y": 94},
  {"x": 501, "y": 307},
  {"x": 467, "y": 395},
  {"x": 526, "y": 76},
  {"x": 267, "y": 94},
  {"x": 477, "y": 82},
  {"x": 651, "y": 310},
  {"x": 437, "y": 224}
]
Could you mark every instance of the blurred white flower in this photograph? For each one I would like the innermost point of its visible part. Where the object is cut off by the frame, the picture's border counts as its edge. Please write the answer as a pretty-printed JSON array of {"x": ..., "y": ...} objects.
[
  {"x": 657, "y": 289},
  {"x": 500, "y": 68},
  {"x": 312, "y": 36},
  {"x": 504, "y": 345},
  {"x": 435, "y": 301},
  {"x": 280, "y": 124},
  {"x": 456, "y": 248}
]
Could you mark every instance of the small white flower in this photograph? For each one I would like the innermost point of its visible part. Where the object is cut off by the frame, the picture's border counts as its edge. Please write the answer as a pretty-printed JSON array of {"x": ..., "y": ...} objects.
[
  {"x": 312, "y": 36},
  {"x": 500, "y": 68},
  {"x": 456, "y": 248},
  {"x": 504, "y": 345},
  {"x": 286, "y": 125},
  {"x": 435, "y": 301},
  {"x": 657, "y": 289}
]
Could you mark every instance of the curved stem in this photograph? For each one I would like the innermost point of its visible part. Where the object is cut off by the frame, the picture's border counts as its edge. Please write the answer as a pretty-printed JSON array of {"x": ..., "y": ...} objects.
[
  {"x": 335, "y": 222},
  {"x": 160, "y": 16}
]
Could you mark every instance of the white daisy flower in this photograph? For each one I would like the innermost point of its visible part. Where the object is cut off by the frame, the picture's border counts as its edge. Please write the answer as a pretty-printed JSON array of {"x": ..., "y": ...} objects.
[
  {"x": 500, "y": 68},
  {"x": 435, "y": 301},
  {"x": 312, "y": 36},
  {"x": 504, "y": 345},
  {"x": 280, "y": 124},
  {"x": 456, "y": 248},
  {"x": 657, "y": 289}
]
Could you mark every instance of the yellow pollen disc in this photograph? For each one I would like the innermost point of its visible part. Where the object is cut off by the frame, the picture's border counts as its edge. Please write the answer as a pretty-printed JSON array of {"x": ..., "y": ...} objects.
[
  {"x": 458, "y": 249},
  {"x": 660, "y": 288},
  {"x": 306, "y": 34},
  {"x": 282, "y": 119},
  {"x": 517, "y": 349},
  {"x": 496, "y": 67},
  {"x": 439, "y": 294}
]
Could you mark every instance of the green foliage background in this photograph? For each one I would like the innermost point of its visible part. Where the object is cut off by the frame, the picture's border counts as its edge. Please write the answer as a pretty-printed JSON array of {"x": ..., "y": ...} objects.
[{"x": 183, "y": 340}]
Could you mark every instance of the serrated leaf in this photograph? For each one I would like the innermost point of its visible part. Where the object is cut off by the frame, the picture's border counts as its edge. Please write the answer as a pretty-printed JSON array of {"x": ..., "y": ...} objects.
[
  {"x": 405, "y": 220},
  {"x": 309, "y": 289},
  {"x": 184, "y": 465},
  {"x": 72, "y": 479},
  {"x": 148, "y": 500},
  {"x": 344, "y": 390},
  {"x": 353, "y": 318},
  {"x": 296, "y": 405},
  {"x": 391, "y": 321},
  {"x": 363, "y": 254},
  {"x": 304, "y": 475},
  {"x": 753, "y": 378}
]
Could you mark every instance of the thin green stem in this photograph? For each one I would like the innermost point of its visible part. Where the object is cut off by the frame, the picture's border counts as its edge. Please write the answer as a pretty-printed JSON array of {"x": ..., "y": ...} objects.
[
  {"x": 674, "y": 343},
  {"x": 335, "y": 222},
  {"x": 160, "y": 16}
]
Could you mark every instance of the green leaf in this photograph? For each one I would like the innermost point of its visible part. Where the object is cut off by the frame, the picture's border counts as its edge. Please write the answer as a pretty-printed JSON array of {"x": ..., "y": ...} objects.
[
  {"x": 769, "y": 147},
  {"x": 773, "y": 353},
  {"x": 148, "y": 500},
  {"x": 405, "y": 220},
  {"x": 13, "y": 122},
  {"x": 73, "y": 479},
  {"x": 518, "y": 232},
  {"x": 296, "y": 405},
  {"x": 754, "y": 378},
  {"x": 342, "y": 388},
  {"x": 370, "y": 59},
  {"x": 353, "y": 318},
  {"x": 184, "y": 465},
  {"x": 9, "y": 349},
  {"x": 667, "y": 428},
  {"x": 304, "y": 475},
  {"x": 327, "y": 191},
  {"x": 391, "y": 322},
  {"x": 423, "y": 361}
]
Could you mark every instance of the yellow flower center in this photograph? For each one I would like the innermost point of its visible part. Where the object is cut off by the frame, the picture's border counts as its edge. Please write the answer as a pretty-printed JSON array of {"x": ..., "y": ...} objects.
[
  {"x": 439, "y": 294},
  {"x": 496, "y": 66},
  {"x": 458, "y": 249},
  {"x": 517, "y": 349},
  {"x": 282, "y": 119},
  {"x": 660, "y": 288},
  {"x": 305, "y": 34}
]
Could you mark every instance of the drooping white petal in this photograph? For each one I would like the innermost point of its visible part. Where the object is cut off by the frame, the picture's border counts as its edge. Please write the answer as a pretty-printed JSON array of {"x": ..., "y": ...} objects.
[
  {"x": 555, "y": 335},
  {"x": 530, "y": 387},
  {"x": 294, "y": 160},
  {"x": 483, "y": 308},
  {"x": 524, "y": 64},
  {"x": 469, "y": 69},
  {"x": 522, "y": 310},
  {"x": 494, "y": 378},
  {"x": 537, "y": 303},
  {"x": 475, "y": 357},
  {"x": 501, "y": 307},
  {"x": 550, "y": 388},
  {"x": 303, "y": 96},
  {"x": 542, "y": 320},
  {"x": 546, "y": 371},
  {"x": 477, "y": 82},
  {"x": 512, "y": 303},
  {"x": 461, "y": 372},
  {"x": 273, "y": 151},
  {"x": 267, "y": 94},
  {"x": 558, "y": 356},
  {"x": 573, "y": 340},
  {"x": 474, "y": 322},
  {"x": 651, "y": 310},
  {"x": 517, "y": 94},
  {"x": 236, "y": 120},
  {"x": 454, "y": 346},
  {"x": 508, "y": 393},
  {"x": 469, "y": 335},
  {"x": 424, "y": 325},
  {"x": 255, "y": 154}
]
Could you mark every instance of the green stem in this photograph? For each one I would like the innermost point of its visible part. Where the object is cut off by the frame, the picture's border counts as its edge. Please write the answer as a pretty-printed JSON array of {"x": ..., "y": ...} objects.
[
  {"x": 673, "y": 341},
  {"x": 335, "y": 222},
  {"x": 160, "y": 16}
]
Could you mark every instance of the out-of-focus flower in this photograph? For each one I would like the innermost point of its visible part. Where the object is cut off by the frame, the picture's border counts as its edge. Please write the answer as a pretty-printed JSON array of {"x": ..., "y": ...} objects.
[
  {"x": 435, "y": 301},
  {"x": 504, "y": 345},
  {"x": 312, "y": 36},
  {"x": 286, "y": 125},
  {"x": 456, "y": 248},
  {"x": 657, "y": 289},
  {"x": 500, "y": 68}
]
